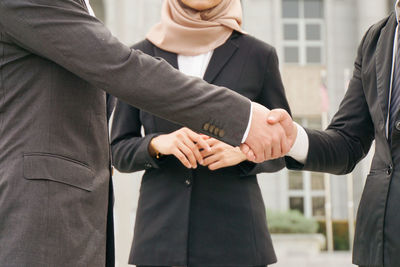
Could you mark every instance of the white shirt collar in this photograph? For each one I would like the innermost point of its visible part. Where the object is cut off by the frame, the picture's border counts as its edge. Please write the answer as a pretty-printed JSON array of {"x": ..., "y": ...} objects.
[
  {"x": 89, "y": 7},
  {"x": 397, "y": 9}
]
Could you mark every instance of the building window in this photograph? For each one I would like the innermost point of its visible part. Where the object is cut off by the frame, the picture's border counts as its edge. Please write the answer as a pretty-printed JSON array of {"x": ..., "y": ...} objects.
[
  {"x": 318, "y": 207},
  {"x": 303, "y": 35},
  {"x": 317, "y": 181},
  {"x": 295, "y": 180},
  {"x": 297, "y": 203},
  {"x": 307, "y": 193},
  {"x": 306, "y": 190}
]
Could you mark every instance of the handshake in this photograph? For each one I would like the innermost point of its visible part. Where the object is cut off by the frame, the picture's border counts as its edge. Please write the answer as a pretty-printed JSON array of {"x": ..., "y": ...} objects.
[{"x": 271, "y": 135}]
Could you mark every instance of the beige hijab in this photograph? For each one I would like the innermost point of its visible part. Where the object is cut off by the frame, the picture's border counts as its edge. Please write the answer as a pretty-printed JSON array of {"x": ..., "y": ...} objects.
[{"x": 188, "y": 32}]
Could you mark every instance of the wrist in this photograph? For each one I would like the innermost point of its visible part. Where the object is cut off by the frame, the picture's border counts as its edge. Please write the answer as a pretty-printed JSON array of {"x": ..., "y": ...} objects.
[
  {"x": 241, "y": 156},
  {"x": 153, "y": 151},
  {"x": 299, "y": 150}
]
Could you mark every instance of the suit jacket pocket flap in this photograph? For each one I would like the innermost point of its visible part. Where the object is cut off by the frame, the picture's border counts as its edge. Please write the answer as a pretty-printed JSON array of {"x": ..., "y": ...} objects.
[{"x": 38, "y": 166}]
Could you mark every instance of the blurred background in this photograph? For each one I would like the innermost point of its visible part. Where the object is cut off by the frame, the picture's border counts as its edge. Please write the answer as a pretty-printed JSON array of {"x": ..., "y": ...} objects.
[{"x": 311, "y": 214}]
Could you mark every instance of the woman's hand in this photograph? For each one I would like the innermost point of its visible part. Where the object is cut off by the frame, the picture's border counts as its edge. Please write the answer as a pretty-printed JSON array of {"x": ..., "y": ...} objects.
[
  {"x": 184, "y": 144},
  {"x": 221, "y": 155}
]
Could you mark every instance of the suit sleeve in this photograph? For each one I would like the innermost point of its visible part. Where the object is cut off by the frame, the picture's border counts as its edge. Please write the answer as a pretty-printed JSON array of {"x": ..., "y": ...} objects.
[
  {"x": 272, "y": 96},
  {"x": 129, "y": 147},
  {"x": 349, "y": 136},
  {"x": 62, "y": 31}
]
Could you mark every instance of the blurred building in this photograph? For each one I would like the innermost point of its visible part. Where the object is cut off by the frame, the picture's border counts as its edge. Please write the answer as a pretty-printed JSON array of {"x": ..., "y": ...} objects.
[{"x": 316, "y": 42}]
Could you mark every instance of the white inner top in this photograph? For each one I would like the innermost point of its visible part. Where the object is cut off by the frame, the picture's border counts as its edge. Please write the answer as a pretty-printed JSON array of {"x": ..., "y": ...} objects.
[{"x": 194, "y": 65}]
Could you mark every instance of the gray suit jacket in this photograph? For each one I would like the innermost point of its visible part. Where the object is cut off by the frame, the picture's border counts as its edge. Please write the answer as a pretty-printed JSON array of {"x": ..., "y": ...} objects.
[
  {"x": 56, "y": 62},
  {"x": 360, "y": 120}
]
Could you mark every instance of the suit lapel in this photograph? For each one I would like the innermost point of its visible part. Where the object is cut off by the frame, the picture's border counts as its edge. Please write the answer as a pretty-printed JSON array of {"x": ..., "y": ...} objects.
[
  {"x": 170, "y": 57},
  {"x": 220, "y": 58},
  {"x": 383, "y": 61},
  {"x": 84, "y": 5}
]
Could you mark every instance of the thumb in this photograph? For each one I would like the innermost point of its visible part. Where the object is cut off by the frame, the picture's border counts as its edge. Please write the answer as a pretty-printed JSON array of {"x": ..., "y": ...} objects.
[
  {"x": 205, "y": 137},
  {"x": 278, "y": 116},
  {"x": 281, "y": 116},
  {"x": 246, "y": 150}
]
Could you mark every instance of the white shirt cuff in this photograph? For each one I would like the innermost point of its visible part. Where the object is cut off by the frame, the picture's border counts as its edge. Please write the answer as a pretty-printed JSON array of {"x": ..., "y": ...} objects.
[
  {"x": 246, "y": 133},
  {"x": 300, "y": 147}
]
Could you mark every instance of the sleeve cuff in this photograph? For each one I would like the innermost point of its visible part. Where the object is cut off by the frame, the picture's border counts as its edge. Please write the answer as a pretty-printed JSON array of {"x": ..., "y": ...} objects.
[
  {"x": 246, "y": 133},
  {"x": 149, "y": 161},
  {"x": 300, "y": 147}
]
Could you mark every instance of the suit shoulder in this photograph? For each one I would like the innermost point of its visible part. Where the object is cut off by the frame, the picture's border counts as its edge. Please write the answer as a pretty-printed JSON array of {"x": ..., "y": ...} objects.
[
  {"x": 373, "y": 33},
  {"x": 382, "y": 23},
  {"x": 258, "y": 46},
  {"x": 145, "y": 46},
  {"x": 259, "y": 52}
]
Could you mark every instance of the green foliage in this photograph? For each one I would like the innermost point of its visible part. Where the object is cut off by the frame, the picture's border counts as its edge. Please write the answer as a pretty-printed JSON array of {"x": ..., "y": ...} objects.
[
  {"x": 340, "y": 234},
  {"x": 290, "y": 222}
]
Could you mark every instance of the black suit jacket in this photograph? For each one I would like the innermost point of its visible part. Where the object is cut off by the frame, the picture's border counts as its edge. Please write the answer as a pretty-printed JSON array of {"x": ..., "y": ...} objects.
[
  {"x": 360, "y": 120},
  {"x": 199, "y": 217}
]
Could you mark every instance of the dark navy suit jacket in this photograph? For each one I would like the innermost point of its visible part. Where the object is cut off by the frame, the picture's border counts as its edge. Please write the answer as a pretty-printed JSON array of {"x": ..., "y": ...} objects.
[{"x": 201, "y": 217}]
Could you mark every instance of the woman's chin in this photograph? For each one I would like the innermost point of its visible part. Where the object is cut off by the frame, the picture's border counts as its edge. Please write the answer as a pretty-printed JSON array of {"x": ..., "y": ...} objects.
[{"x": 201, "y": 5}]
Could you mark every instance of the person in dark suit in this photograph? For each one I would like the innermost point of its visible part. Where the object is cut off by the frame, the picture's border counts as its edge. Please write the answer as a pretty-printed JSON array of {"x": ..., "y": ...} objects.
[
  {"x": 56, "y": 63},
  {"x": 369, "y": 111},
  {"x": 212, "y": 213}
]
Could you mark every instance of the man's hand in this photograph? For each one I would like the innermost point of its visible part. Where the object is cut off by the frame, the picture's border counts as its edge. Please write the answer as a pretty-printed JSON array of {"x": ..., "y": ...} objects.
[
  {"x": 282, "y": 117},
  {"x": 265, "y": 141},
  {"x": 221, "y": 155},
  {"x": 272, "y": 134}
]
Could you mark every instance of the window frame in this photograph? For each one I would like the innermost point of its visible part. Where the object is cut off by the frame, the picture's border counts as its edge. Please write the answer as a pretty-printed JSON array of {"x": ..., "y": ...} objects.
[
  {"x": 307, "y": 193},
  {"x": 302, "y": 43}
]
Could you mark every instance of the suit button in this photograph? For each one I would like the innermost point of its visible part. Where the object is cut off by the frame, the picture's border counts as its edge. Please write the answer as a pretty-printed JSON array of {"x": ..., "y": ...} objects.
[
  {"x": 221, "y": 133},
  {"x": 216, "y": 131},
  {"x": 148, "y": 166},
  {"x": 188, "y": 182},
  {"x": 211, "y": 129},
  {"x": 398, "y": 125},
  {"x": 206, "y": 126},
  {"x": 389, "y": 170}
]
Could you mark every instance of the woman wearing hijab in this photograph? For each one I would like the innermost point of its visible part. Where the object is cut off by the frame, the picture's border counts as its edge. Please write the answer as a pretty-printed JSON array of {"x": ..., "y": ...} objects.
[{"x": 200, "y": 208}]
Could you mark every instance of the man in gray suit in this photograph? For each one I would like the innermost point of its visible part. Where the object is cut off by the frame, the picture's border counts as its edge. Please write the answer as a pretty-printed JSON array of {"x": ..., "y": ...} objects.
[{"x": 56, "y": 63}]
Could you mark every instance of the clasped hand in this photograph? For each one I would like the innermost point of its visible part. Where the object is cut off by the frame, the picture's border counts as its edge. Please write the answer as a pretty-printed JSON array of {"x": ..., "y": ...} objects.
[{"x": 191, "y": 149}]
